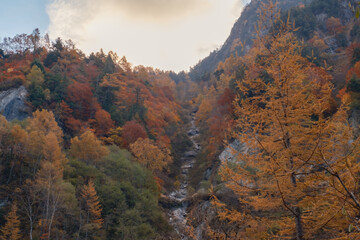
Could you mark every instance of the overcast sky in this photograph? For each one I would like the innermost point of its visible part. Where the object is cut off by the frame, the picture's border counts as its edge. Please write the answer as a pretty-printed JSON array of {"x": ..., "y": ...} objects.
[{"x": 165, "y": 34}]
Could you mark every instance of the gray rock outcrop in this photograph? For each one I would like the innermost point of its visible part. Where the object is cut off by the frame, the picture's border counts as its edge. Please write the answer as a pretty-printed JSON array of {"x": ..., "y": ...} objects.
[
  {"x": 12, "y": 103},
  {"x": 231, "y": 152}
]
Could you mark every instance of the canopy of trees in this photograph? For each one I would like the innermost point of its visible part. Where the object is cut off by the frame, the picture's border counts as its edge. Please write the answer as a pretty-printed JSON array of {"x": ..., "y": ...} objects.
[
  {"x": 62, "y": 169},
  {"x": 105, "y": 139}
]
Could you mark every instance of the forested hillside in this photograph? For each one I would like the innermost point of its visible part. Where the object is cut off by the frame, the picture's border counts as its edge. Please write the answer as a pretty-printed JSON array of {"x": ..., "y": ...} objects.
[
  {"x": 243, "y": 32},
  {"x": 94, "y": 154},
  {"x": 260, "y": 140},
  {"x": 279, "y": 125}
]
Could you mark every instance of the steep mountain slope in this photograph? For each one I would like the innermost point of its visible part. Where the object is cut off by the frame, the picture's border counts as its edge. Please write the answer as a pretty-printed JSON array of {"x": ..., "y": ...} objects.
[
  {"x": 328, "y": 35},
  {"x": 243, "y": 30}
]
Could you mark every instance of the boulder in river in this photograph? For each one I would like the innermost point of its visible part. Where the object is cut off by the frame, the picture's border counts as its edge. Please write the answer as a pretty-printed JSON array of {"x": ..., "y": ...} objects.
[
  {"x": 207, "y": 174},
  {"x": 190, "y": 154},
  {"x": 167, "y": 202},
  {"x": 193, "y": 132}
]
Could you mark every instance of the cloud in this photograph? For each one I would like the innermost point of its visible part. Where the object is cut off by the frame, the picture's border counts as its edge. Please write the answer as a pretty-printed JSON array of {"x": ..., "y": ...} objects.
[
  {"x": 159, "y": 9},
  {"x": 68, "y": 18},
  {"x": 161, "y": 33},
  {"x": 139, "y": 9}
]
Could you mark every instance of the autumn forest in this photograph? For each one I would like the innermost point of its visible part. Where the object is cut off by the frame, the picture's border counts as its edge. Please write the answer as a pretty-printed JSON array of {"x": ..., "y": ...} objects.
[{"x": 260, "y": 140}]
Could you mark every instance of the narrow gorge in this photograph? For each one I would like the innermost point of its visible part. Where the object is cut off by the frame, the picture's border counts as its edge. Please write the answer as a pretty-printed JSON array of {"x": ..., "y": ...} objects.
[{"x": 178, "y": 213}]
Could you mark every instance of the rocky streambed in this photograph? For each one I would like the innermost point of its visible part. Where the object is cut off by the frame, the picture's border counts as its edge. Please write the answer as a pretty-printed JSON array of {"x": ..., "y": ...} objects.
[{"x": 178, "y": 213}]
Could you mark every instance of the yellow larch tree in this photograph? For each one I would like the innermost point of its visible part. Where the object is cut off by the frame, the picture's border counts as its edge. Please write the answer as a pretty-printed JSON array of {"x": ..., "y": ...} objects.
[
  {"x": 11, "y": 229},
  {"x": 49, "y": 184},
  {"x": 93, "y": 219},
  {"x": 149, "y": 155},
  {"x": 43, "y": 122},
  {"x": 88, "y": 148},
  {"x": 299, "y": 177},
  {"x": 40, "y": 126}
]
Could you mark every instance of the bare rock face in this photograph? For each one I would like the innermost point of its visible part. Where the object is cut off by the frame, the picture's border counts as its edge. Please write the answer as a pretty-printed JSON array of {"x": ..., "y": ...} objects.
[
  {"x": 12, "y": 103},
  {"x": 243, "y": 30},
  {"x": 231, "y": 152}
]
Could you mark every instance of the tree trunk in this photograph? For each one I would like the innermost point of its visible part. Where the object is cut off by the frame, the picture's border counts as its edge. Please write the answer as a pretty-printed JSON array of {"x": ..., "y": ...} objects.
[
  {"x": 80, "y": 225},
  {"x": 87, "y": 223},
  {"x": 299, "y": 229},
  {"x": 297, "y": 212},
  {"x": 31, "y": 229}
]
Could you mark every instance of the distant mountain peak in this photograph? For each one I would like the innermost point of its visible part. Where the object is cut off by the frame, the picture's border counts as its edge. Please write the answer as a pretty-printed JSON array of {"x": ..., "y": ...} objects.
[{"x": 243, "y": 31}]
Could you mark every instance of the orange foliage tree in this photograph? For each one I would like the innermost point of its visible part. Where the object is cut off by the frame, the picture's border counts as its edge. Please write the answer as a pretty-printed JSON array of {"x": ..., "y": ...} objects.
[
  {"x": 93, "y": 219},
  {"x": 82, "y": 99},
  {"x": 49, "y": 184},
  {"x": 103, "y": 122},
  {"x": 43, "y": 122},
  {"x": 88, "y": 148},
  {"x": 70, "y": 123},
  {"x": 11, "y": 229},
  {"x": 300, "y": 163},
  {"x": 149, "y": 155},
  {"x": 40, "y": 126},
  {"x": 334, "y": 25},
  {"x": 132, "y": 131}
]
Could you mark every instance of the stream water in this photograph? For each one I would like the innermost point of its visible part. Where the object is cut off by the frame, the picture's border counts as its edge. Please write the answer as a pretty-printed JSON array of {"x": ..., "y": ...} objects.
[{"x": 178, "y": 215}]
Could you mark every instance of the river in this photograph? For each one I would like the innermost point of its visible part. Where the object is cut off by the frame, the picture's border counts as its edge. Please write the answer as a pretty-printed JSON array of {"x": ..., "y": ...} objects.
[{"x": 178, "y": 215}]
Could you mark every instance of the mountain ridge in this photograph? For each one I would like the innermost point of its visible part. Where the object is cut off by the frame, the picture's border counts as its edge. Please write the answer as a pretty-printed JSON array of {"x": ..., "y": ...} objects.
[{"x": 243, "y": 32}]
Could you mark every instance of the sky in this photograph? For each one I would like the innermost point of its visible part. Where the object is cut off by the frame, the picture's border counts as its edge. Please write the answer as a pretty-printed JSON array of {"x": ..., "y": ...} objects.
[{"x": 165, "y": 34}]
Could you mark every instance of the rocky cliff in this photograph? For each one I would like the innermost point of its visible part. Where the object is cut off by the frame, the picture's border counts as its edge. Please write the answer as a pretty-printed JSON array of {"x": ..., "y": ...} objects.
[
  {"x": 12, "y": 103},
  {"x": 243, "y": 30}
]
